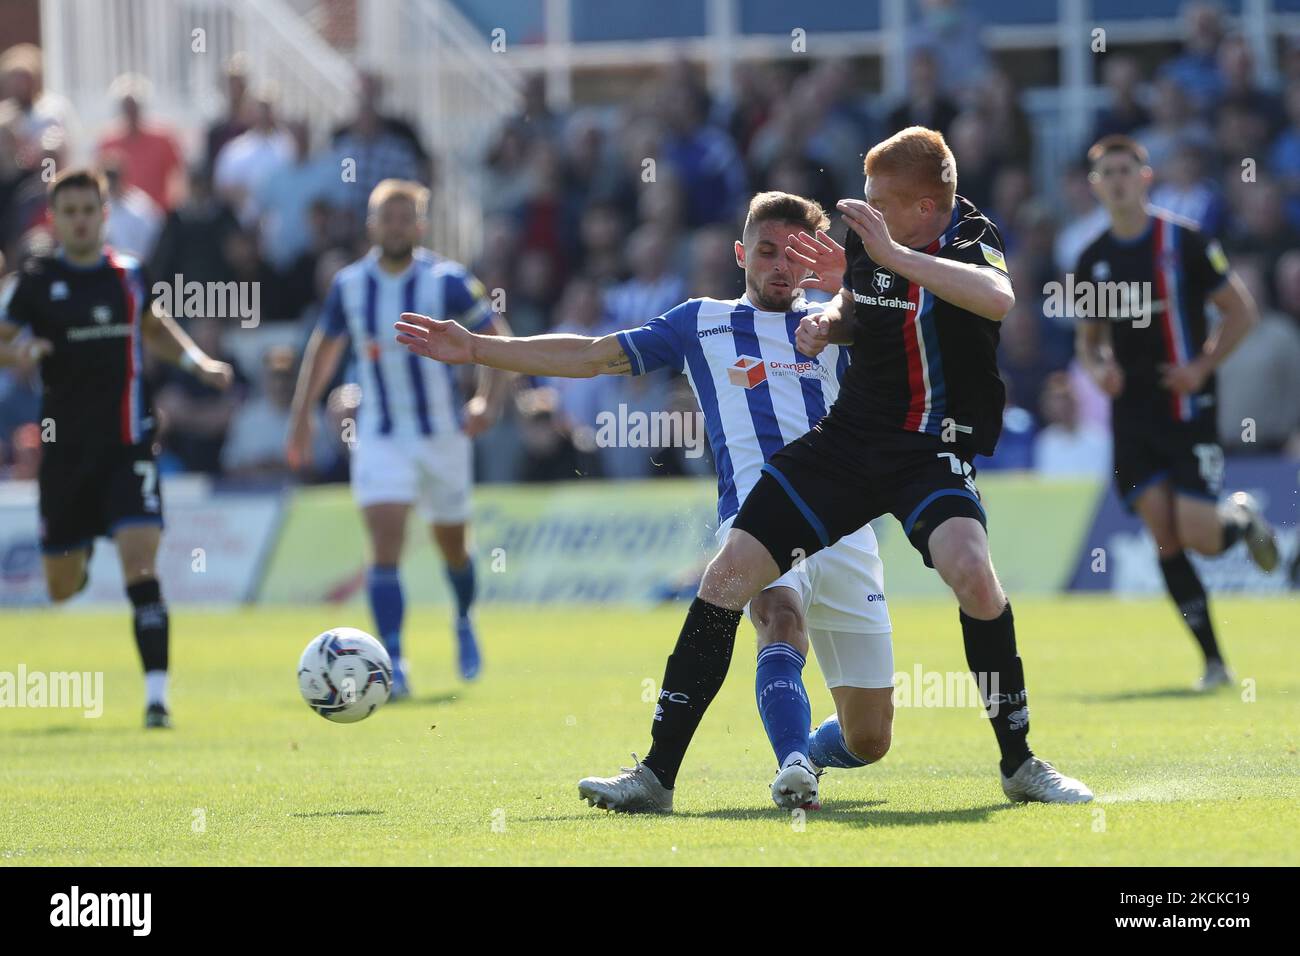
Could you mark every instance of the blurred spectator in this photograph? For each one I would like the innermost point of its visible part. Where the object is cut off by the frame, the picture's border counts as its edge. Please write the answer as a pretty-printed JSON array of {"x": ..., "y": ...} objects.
[
  {"x": 254, "y": 446},
  {"x": 952, "y": 33},
  {"x": 235, "y": 120},
  {"x": 1186, "y": 189},
  {"x": 1238, "y": 86},
  {"x": 24, "y": 454},
  {"x": 285, "y": 198},
  {"x": 653, "y": 288},
  {"x": 250, "y": 158},
  {"x": 1259, "y": 383},
  {"x": 194, "y": 237},
  {"x": 247, "y": 160},
  {"x": 976, "y": 166},
  {"x": 924, "y": 104},
  {"x": 134, "y": 220},
  {"x": 1261, "y": 225},
  {"x": 1174, "y": 123},
  {"x": 702, "y": 155},
  {"x": 1067, "y": 446},
  {"x": 376, "y": 147},
  {"x": 193, "y": 417},
  {"x": 1284, "y": 158},
  {"x": 1195, "y": 70},
  {"x": 1083, "y": 216},
  {"x": 151, "y": 156},
  {"x": 1125, "y": 113},
  {"x": 1007, "y": 125},
  {"x": 34, "y": 110}
]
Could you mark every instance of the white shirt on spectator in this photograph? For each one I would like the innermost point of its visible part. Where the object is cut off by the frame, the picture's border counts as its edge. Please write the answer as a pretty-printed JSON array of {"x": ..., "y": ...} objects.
[
  {"x": 1083, "y": 452},
  {"x": 246, "y": 160},
  {"x": 134, "y": 221}
]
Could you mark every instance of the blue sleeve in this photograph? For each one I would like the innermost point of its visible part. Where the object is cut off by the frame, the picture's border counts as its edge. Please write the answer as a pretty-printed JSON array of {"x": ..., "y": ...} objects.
[
  {"x": 466, "y": 300},
  {"x": 333, "y": 321},
  {"x": 660, "y": 343}
]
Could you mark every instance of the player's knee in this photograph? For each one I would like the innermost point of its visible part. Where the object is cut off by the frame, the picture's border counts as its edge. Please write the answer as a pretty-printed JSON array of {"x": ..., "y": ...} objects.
[
  {"x": 778, "y": 620},
  {"x": 868, "y": 743},
  {"x": 728, "y": 580},
  {"x": 967, "y": 570},
  {"x": 62, "y": 588}
]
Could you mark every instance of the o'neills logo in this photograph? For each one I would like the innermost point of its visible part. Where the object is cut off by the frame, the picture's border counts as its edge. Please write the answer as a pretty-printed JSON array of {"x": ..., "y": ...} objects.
[{"x": 893, "y": 302}]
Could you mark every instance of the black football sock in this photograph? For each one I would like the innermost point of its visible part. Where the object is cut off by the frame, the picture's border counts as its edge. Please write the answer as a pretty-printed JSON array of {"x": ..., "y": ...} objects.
[
  {"x": 695, "y": 671},
  {"x": 151, "y": 628},
  {"x": 991, "y": 656},
  {"x": 1189, "y": 595}
]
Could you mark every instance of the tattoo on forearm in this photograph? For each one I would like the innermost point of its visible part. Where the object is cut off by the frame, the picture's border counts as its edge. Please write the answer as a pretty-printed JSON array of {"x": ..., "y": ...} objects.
[{"x": 619, "y": 365}]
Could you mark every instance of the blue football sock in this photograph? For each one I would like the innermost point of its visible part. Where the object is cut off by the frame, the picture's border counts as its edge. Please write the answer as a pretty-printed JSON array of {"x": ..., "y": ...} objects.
[
  {"x": 828, "y": 748},
  {"x": 386, "y": 603},
  {"x": 462, "y": 586},
  {"x": 782, "y": 700}
]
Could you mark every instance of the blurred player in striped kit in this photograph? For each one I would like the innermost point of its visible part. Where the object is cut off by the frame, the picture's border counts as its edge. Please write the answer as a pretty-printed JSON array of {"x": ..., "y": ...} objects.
[{"x": 413, "y": 435}]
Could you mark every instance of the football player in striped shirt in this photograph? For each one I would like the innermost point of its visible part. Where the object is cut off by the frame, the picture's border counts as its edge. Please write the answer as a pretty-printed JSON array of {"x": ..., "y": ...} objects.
[
  {"x": 756, "y": 392},
  {"x": 1146, "y": 340},
  {"x": 91, "y": 314},
  {"x": 413, "y": 435}
]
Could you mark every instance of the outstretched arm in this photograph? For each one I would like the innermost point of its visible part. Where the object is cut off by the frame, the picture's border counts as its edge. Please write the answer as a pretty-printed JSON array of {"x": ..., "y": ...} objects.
[
  {"x": 562, "y": 356},
  {"x": 171, "y": 343}
]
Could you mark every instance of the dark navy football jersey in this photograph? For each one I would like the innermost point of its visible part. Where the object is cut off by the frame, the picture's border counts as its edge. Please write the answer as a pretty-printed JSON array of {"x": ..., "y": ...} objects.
[
  {"x": 94, "y": 387},
  {"x": 1174, "y": 269},
  {"x": 921, "y": 365}
]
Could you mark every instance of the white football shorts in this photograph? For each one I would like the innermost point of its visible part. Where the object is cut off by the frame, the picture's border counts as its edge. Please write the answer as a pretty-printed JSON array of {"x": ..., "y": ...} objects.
[
  {"x": 434, "y": 473},
  {"x": 842, "y": 589}
]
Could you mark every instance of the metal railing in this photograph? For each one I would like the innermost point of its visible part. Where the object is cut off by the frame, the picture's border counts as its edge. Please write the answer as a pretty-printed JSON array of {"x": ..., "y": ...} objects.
[{"x": 181, "y": 46}]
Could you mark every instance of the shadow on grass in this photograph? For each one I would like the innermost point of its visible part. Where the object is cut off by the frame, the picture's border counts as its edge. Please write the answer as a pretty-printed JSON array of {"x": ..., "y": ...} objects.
[
  {"x": 446, "y": 697},
  {"x": 338, "y": 813},
  {"x": 81, "y": 727},
  {"x": 860, "y": 813},
  {"x": 1152, "y": 693}
]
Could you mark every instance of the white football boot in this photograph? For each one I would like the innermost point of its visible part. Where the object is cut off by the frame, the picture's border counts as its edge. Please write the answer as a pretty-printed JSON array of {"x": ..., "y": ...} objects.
[
  {"x": 1261, "y": 540},
  {"x": 635, "y": 790},
  {"x": 1037, "y": 781},
  {"x": 795, "y": 786}
]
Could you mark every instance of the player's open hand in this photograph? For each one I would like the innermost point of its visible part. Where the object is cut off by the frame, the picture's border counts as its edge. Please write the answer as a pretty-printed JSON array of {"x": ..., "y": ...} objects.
[
  {"x": 813, "y": 335},
  {"x": 869, "y": 224},
  {"x": 1184, "y": 379},
  {"x": 214, "y": 374},
  {"x": 298, "y": 449},
  {"x": 440, "y": 340},
  {"x": 820, "y": 253},
  {"x": 32, "y": 352},
  {"x": 478, "y": 416}
]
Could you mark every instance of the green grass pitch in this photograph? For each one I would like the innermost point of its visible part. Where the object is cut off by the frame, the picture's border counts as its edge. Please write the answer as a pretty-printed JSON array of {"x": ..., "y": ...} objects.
[{"x": 486, "y": 773}]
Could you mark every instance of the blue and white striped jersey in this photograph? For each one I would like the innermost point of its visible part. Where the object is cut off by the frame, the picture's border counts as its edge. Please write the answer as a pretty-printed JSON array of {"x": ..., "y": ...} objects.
[
  {"x": 402, "y": 394},
  {"x": 756, "y": 391}
]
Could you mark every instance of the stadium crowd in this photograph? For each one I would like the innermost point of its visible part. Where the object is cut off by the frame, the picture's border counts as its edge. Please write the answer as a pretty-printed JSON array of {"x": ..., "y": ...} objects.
[{"x": 602, "y": 217}]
